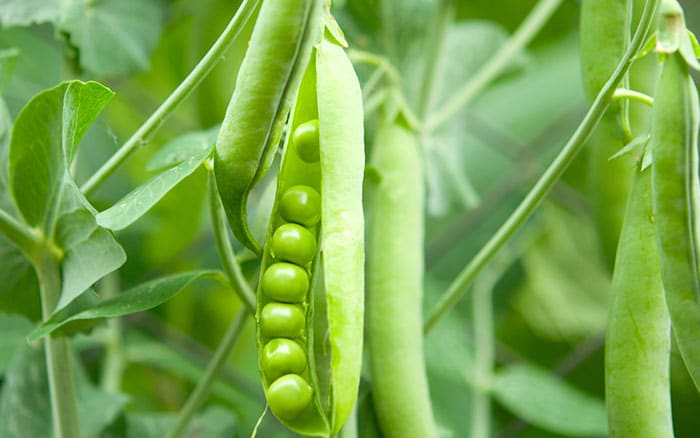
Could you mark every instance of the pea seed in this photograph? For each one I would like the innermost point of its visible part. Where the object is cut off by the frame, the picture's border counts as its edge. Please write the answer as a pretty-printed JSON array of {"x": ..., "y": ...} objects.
[
  {"x": 285, "y": 282},
  {"x": 288, "y": 396},
  {"x": 294, "y": 243},
  {"x": 278, "y": 320},
  {"x": 301, "y": 205},
  {"x": 282, "y": 356},
  {"x": 306, "y": 141}
]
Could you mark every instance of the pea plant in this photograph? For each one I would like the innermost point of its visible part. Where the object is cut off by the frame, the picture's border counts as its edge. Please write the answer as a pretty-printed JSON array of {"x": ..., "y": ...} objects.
[{"x": 415, "y": 218}]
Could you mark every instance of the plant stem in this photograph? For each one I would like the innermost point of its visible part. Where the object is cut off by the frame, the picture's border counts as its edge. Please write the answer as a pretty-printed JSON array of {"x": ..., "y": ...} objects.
[
  {"x": 542, "y": 187},
  {"x": 200, "y": 71},
  {"x": 201, "y": 391},
  {"x": 623, "y": 93},
  {"x": 436, "y": 42},
  {"x": 114, "y": 356},
  {"x": 223, "y": 244},
  {"x": 521, "y": 38},
  {"x": 59, "y": 358},
  {"x": 482, "y": 319},
  {"x": 19, "y": 233},
  {"x": 369, "y": 58}
]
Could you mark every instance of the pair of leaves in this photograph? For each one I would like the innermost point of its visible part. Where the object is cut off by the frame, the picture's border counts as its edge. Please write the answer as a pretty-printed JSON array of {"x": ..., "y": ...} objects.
[
  {"x": 113, "y": 37},
  {"x": 44, "y": 142}
]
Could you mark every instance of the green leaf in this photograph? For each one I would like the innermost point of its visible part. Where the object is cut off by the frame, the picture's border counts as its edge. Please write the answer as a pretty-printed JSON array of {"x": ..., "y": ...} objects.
[
  {"x": 43, "y": 144},
  {"x": 548, "y": 402},
  {"x": 688, "y": 49},
  {"x": 637, "y": 142},
  {"x": 8, "y": 59},
  {"x": 183, "y": 147},
  {"x": 25, "y": 409},
  {"x": 84, "y": 102},
  {"x": 44, "y": 139},
  {"x": 13, "y": 329},
  {"x": 143, "y": 297},
  {"x": 154, "y": 353},
  {"x": 113, "y": 37},
  {"x": 19, "y": 291},
  {"x": 26, "y": 12},
  {"x": 214, "y": 422},
  {"x": 565, "y": 293},
  {"x": 5, "y": 127},
  {"x": 139, "y": 201},
  {"x": 449, "y": 187},
  {"x": 91, "y": 253}
]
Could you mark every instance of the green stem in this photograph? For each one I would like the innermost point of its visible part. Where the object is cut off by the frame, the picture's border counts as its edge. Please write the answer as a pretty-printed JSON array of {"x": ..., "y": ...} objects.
[
  {"x": 532, "y": 200},
  {"x": 374, "y": 102},
  {"x": 223, "y": 244},
  {"x": 201, "y": 391},
  {"x": 25, "y": 238},
  {"x": 373, "y": 81},
  {"x": 623, "y": 93},
  {"x": 482, "y": 317},
  {"x": 200, "y": 71},
  {"x": 369, "y": 58},
  {"x": 497, "y": 64},
  {"x": 113, "y": 367},
  {"x": 59, "y": 358},
  {"x": 438, "y": 35}
]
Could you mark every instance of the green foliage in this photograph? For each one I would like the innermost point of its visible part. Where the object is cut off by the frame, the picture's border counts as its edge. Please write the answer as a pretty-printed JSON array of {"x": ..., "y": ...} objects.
[
  {"x": 111, "y": 38},
  {"x": 484, "y": 105},
  {"x": 25, "y": 410},
  {"x": 545, "y": 401},
  {"x": 143, "y": 297}
]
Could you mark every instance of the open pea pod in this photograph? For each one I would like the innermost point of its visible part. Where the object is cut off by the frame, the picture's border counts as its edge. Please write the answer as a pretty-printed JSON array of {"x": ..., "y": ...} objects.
[
  {"x": 310, "y": 297},
  {"x": 267, "y": 82},
  {"x": 674, "y": 147}
]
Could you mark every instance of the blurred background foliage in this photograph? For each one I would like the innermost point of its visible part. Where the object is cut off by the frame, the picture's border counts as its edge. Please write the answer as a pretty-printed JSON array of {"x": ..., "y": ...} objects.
[{"x": 550, "y": 287}]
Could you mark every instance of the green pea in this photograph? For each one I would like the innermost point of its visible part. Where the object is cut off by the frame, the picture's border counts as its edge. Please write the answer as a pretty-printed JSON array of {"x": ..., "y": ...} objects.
[
  {"x": 330, "y": 192},
  {"x": 282, "y": 356},
  {"x": 288, "y": 396},
  {"x": 301, "y": 205},
  {"x": 278, "y": 320},
  {"x": 285, "y": 282},
  {"x": 294, "y": 243},
  {"x": 306, "y": 141}
]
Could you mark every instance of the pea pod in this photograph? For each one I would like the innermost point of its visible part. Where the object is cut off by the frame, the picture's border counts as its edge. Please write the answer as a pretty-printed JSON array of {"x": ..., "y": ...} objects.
[
  {"x": 674, "y": 147},
  {"x": 266, "y": 85},
  {"x": 638, "y": 337},
  {"x": 317, "y": 229},
  {"x": 395, "y": 287},
  {"x": 605, "y": 30}
]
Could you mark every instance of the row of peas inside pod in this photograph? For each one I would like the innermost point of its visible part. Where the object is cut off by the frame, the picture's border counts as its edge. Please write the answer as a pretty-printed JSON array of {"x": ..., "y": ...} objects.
[{"x": 285, "y": 286}]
